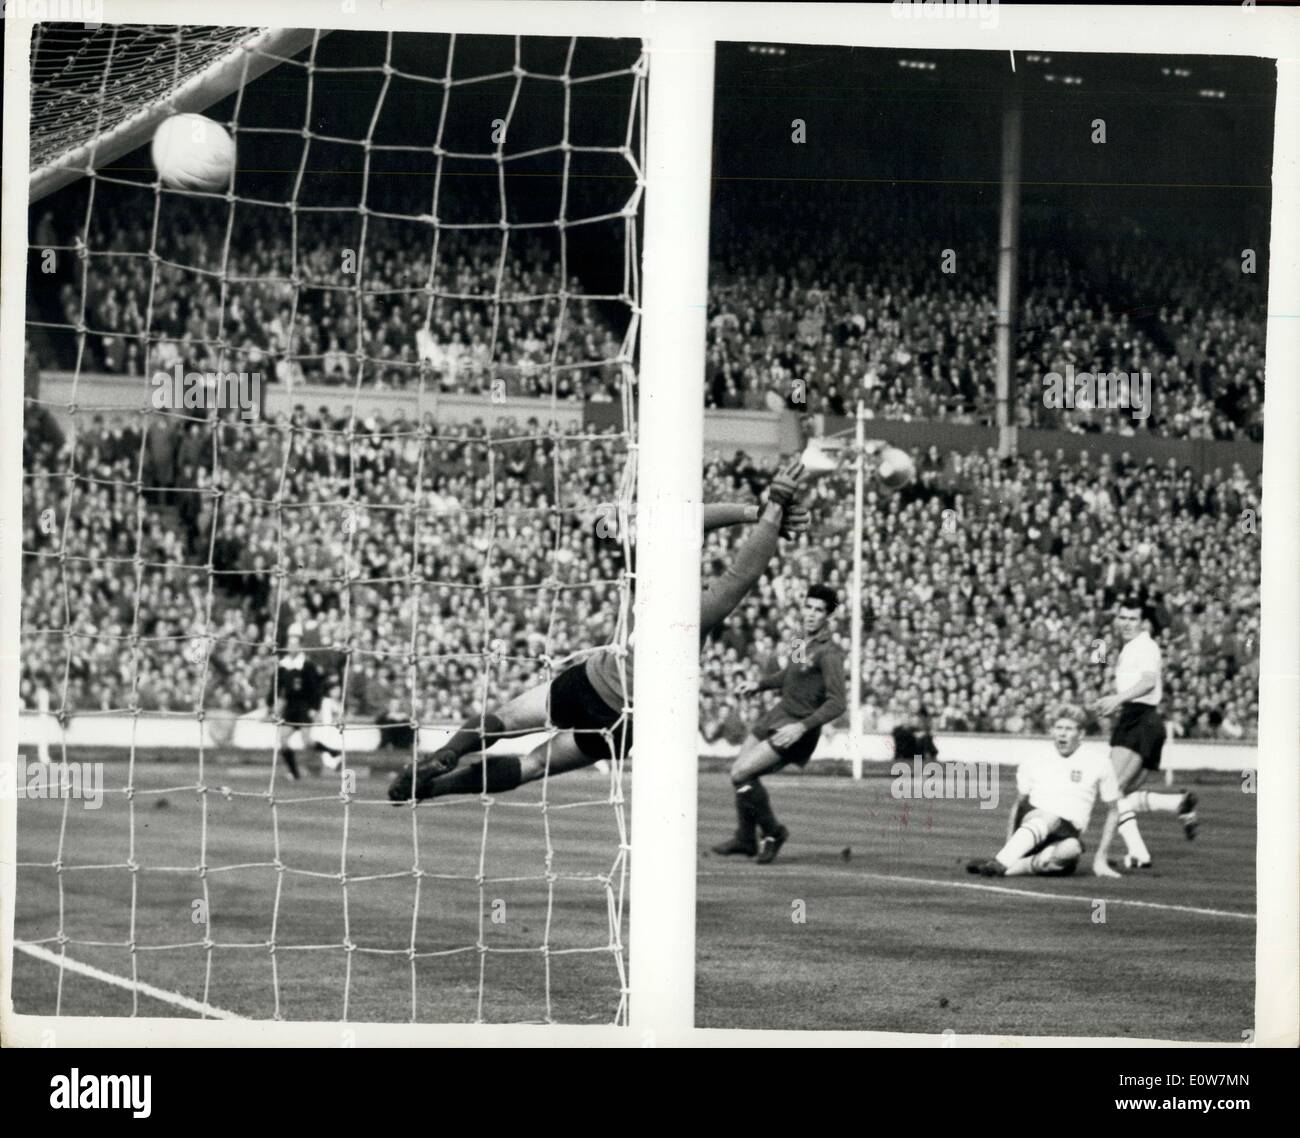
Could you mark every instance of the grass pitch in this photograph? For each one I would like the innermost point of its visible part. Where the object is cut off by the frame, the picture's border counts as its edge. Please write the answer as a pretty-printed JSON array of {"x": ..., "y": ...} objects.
[
  {"x": 308, "y": 910},
  {"x": 898, "y": 937}
]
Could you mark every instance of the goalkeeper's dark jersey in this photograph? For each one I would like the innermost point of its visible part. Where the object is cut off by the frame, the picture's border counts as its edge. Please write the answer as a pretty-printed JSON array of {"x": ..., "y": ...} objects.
[
  {"x": 299, "y": 685},
  {"x": 612, "y": 678}
]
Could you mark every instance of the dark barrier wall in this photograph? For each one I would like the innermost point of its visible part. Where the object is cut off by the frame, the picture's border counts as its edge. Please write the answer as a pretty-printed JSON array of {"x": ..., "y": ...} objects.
[
  {"x": 765, "y": 432},
  {"x": 603, "y": 415},
  {"x": 1204, "y": 457},
  {"x": 759, "y": 432},
  {"x": 918, "y": 436}
]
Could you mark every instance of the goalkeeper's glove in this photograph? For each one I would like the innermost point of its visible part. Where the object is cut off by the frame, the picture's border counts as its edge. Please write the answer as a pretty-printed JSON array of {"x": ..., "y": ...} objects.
[
  {"x": 785, "y": 483},
  {"x": 795, "y": 519}
]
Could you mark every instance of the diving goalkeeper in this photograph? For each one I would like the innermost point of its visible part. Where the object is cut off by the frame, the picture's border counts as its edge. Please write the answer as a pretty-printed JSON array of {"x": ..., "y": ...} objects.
[{"x": 588, "y": 700}]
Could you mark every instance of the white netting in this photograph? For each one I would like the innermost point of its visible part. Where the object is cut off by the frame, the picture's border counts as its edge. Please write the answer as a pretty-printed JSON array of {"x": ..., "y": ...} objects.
[
  {"x": 444, "y": 564},
  {"x": 88, "y": 84}
]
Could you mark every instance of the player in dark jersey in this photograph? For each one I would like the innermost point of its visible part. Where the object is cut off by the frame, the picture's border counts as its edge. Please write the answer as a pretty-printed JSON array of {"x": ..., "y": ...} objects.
[
  {"x": 588, "y": 701},
  {"x": 811, "y": 683},
  {"x": 297, "y": 689}
]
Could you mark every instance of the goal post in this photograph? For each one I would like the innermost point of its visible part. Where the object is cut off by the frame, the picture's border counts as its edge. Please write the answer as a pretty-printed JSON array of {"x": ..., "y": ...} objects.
[{"x": 669, "y": 534}]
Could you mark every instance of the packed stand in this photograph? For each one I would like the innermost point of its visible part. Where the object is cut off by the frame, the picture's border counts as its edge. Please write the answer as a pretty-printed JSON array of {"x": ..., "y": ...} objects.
[
  {"x": 816, "y": 304},
  {"x": 989, "y": 591},
  {"x": 358, "y": 313},
  {"x": 380, "y": 542}
]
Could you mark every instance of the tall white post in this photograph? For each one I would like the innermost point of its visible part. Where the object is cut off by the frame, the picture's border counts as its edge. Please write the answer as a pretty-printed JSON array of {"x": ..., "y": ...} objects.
[
  {"x": 856, "y": 742},
  {"x": 670, "y": 460}
]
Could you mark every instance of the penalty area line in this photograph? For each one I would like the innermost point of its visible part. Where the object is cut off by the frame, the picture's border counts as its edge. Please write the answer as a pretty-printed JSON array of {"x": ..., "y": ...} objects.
[
  {"x": 174, "y": 998},
  {"x": 1033, "y": 894}
]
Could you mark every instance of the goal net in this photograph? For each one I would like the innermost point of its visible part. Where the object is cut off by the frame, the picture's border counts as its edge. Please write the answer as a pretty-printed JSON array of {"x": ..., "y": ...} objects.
[{"x": 373, "y": 400}]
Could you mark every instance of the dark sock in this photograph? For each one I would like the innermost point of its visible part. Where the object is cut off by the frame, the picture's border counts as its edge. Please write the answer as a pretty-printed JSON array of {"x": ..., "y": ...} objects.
[
  {"x": 503, "y": 773},
  {"x": 327, "y": 750},
  {"x": 290, "y": 761},
  {"x": 470, "y": 738},
  {"x": 745, "y": 820},
  {"x": 761, "y": 805}
]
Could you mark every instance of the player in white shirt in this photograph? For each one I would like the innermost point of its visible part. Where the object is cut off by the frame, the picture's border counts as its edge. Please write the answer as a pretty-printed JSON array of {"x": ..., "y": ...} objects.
[
  {"x": 1138, "y": 738},
  {"x": 1057, "y": 794}
]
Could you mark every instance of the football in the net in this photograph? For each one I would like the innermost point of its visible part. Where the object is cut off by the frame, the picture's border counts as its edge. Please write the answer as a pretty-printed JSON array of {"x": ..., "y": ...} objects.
[
  {"x": 895, "y": 468},
  {"x": 191, "y": 152}
]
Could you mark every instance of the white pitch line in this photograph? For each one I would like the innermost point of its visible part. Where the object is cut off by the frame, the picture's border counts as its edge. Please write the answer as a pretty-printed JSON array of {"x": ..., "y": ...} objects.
[
  {"x": 173, "y": 998},
  {"x": 892, "y": 879}
]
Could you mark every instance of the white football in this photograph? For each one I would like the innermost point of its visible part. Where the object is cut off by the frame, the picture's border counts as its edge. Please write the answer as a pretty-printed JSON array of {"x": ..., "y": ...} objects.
[
  {"x": 191, "y": 152},
  {"x": 896, "y": 468}
]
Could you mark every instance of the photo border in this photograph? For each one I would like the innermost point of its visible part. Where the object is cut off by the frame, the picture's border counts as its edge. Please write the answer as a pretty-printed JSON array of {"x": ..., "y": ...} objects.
[{"x": 661, "y": 943}]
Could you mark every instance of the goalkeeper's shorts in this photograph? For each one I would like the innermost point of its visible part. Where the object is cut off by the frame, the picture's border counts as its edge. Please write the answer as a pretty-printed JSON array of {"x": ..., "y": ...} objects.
[{"x": 576, "y": 706}]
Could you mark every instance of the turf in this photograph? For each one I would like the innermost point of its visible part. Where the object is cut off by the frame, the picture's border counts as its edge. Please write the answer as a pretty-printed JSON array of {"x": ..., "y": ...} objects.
[
  {"x": 307, "y": 901},
  {"x": 898, "y": 937}
]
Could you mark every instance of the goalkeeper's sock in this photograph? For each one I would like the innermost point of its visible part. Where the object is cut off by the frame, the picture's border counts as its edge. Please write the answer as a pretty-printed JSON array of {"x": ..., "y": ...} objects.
[
  {"x": 761, "y": 807},
  {"x": 290, "y": 761},
  {"x": 745, "y": 820},
  {"x": 474, "y": 735},
  {"x": 504, "y": 772}
]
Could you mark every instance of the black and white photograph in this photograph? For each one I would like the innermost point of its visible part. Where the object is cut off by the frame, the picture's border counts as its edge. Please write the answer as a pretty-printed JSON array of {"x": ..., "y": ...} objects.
[
  {"x": 329, "y": 390},
  {"x": 886, "y": 407},
  {"x": 978, "y": 751}
]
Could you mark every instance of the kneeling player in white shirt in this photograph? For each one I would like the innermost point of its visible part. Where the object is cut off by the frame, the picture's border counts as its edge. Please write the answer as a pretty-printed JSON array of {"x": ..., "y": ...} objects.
[{"x": 1057, "y": 793}]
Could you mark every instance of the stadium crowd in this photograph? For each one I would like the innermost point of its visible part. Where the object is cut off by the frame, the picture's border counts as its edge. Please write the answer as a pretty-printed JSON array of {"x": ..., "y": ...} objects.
[
  {"x": 381, "y": 543},
  {"x": 989, "y": 590},
  {"x": 989, "y": 583},
  {"x": 479, "y": 318},
  {"x": 815, "y": 304}
]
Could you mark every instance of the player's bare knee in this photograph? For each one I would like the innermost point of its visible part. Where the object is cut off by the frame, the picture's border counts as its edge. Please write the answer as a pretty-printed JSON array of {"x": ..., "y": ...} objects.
[
  {"x": 1060, "y": 859},
  {"x": 527, "y": 711},
  {"x": 1129, "y": 772},
  {"x": 1069, "y": 849},
  {"x": 510, "y": 715},
  {"x": 532, "y": 767}
]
